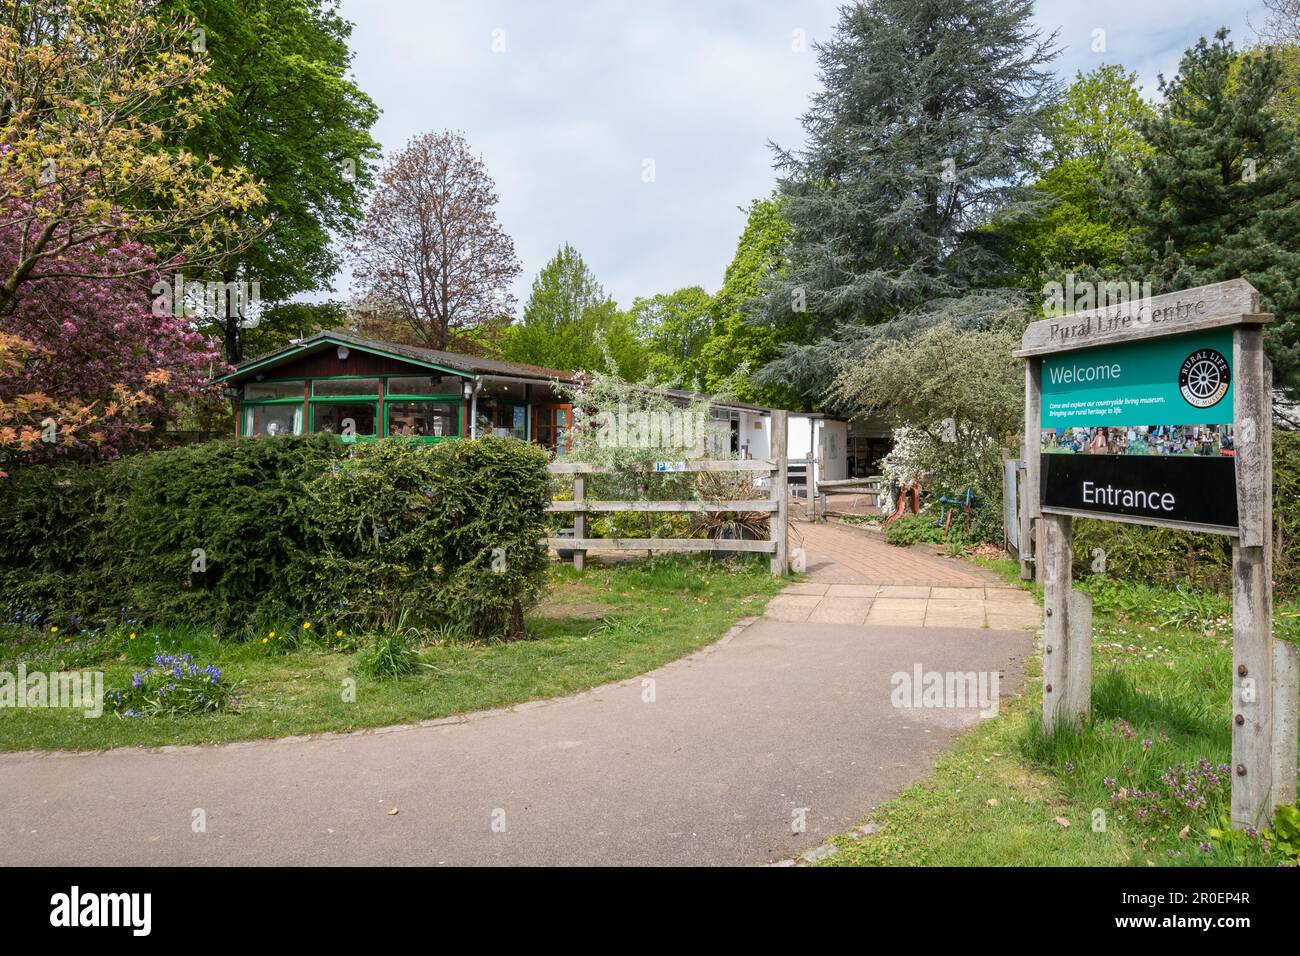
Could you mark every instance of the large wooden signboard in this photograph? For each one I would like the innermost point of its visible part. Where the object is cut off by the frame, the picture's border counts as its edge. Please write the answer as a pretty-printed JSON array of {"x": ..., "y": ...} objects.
[{"x": 1157, "y": 411}]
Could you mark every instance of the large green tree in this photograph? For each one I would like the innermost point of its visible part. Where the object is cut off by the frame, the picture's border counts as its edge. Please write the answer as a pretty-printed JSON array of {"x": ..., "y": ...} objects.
[
  {"x": 1093, "y": 129},
  {"x": 736, "y": 342},
  {"x": 1219, "y": 195},
  {"x": 920, "y": 136},
  {"x": 296, "y": 119},
  {"x": 674, "y": 326},
  {"x": 569, "y": 322}
]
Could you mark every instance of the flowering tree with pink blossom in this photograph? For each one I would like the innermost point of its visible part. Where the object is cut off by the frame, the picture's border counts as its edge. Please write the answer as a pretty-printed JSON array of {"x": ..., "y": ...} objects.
[{"x": 93, "y": 369}]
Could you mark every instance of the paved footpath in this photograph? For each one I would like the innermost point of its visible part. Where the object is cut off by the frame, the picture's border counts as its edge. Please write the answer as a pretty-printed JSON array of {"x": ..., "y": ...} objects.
[
  {"x": 855, "y": 577},
  {"x": 712, "y": 759}
]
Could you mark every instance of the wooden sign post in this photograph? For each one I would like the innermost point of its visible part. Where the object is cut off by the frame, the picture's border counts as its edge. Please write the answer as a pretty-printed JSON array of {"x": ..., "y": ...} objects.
[{"x": 1157, "y": 411}]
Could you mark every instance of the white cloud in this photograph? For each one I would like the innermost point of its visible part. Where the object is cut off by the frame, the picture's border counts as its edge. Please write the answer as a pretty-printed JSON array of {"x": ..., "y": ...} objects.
[{"x": 584, "y": 92}]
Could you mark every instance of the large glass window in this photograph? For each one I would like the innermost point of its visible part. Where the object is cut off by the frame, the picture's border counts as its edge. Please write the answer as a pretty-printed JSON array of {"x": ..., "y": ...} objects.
[
  {"x": 264, "y": 390},
  {"x": 344, "y": 418},
  {"x": 424, "y": 385},
  {"x": 272, "y": 419},
  {"x": 512, "y": 420},
  {"x": 421, "y": 419},
  {"x": 345, "y": 386}
]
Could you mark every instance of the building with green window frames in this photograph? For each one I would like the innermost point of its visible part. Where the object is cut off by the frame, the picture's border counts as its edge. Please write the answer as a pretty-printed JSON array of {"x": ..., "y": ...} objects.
[{"x": 361, "y": 389}]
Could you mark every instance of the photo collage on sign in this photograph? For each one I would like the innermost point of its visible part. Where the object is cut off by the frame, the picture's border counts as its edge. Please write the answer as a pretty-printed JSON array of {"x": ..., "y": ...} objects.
[{"x": 1167, "y": 440}]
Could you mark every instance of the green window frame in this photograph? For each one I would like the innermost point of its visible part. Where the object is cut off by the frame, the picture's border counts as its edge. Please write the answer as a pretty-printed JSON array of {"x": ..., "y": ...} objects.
[
  {"x": 373, "y": 402},
  {"x": 248, "y": 404},
  {"x": 379, "y": 399},
  {"x": 455, "y": 400},
  {"x": 458, "y": 410}
]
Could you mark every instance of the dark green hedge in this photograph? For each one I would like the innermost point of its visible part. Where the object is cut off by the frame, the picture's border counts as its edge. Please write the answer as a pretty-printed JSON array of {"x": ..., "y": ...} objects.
[{"x": 231, "y": 533}]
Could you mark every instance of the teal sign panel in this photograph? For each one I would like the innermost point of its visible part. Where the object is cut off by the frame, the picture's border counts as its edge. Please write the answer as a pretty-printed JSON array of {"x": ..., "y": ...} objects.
[{"x": 1181, "y": 380}]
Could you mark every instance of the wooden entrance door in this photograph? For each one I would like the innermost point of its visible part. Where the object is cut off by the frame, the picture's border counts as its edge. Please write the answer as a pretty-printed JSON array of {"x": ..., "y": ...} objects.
[{"x": 551, "y": 427}]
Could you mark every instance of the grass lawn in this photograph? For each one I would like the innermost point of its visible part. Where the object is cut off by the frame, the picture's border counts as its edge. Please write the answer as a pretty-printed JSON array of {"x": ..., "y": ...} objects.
[
  {"x": 606, "y": 624},
  {"x": 1007, "y": 795}
]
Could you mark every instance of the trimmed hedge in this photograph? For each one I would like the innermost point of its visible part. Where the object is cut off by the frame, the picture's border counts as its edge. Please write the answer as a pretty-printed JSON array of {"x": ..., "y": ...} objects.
[{"x": 235, "y": 532}]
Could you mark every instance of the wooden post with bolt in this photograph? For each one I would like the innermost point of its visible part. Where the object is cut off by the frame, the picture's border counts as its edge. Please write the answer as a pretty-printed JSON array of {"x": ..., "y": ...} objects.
[
  {"x": 579, "y": 521},
  {"x": 1252, "y": 585},
  {"x": 780, "y": 521}
]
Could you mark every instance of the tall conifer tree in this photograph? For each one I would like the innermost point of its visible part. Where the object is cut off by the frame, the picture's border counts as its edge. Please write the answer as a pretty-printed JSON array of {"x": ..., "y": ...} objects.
[{"x": 918, "y": 141}]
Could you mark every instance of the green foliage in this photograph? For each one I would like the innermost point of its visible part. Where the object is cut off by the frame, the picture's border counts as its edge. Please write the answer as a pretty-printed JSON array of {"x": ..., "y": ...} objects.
[
  {"x": 389, "y": 656},
  {"x": 957, "y": 397},
  {"x": 1160, "y": 556},
  {"x": 1257, "y": 847},
  {"x": 917, "y": 141},
  {"x": 214, "y": 532},
  {"x": 629, "y": 426},
  {"x": 234, "y": 534},
  {"x": 570, "y": 323},
  {"x": 1218, "y": 196},
  {"x": 738, "y": 346},
  {"x": 299, "y": 123},
  {"x": 1095, "y": 126},
  {"x": 487, "y": 499},
  {"x": 925, "y": 527},
  {"x": 674, "y": 326}
]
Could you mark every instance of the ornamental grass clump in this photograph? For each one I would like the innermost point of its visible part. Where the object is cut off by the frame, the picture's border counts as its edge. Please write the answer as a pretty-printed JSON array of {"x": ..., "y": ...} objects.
[
  {"x": 388, "y": 656},
  {"x": 174, "y": 686}
]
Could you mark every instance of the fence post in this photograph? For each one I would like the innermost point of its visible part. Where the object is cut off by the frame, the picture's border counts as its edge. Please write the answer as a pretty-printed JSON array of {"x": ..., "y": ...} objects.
[
  {"x": 1286, "y": 680},
  {"x": 780, "y": 524},
  {"x": 579, "y": 520},
  {"x": 1252, "y": 586},
  {"x": 1031, "y": 546},
  {"x": 1060, "y": 642}
]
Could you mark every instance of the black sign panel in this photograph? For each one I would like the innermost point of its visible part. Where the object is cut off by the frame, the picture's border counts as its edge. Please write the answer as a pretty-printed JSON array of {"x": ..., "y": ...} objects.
[{"x": 1191, "y": 488}]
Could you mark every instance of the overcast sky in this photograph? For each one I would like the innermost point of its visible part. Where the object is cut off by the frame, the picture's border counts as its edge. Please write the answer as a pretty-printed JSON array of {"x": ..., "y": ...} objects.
[{"x": 569, "y": 101}]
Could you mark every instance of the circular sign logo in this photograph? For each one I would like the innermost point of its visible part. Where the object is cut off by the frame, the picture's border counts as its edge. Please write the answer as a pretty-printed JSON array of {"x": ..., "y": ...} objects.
[{"x": 1204, "y": 378}]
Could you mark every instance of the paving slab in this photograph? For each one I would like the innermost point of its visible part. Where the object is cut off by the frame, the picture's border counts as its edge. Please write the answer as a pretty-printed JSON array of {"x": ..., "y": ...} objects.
[
  {"x": 954, "y": 613},
  {"x": 853, "y": 590},
  {"x": 903, "y": 591},
  {"x": 898, "y": 612},
  {"x": 806, "y": 588},
  {"x": 957, "y": 594},
  {"x": 1014, "y": 617},
  {"x": 840, "y": 610},
  {"x": 791, "y": 607}
]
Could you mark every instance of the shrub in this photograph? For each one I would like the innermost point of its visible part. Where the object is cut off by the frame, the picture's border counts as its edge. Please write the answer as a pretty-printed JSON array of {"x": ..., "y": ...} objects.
[
  {"x": 910, "y": 529},
  {"x": 217, "y": 532},
  {"x": 489, "y": 506},
  {"x": 48, "y": 516},
  {"x": 235, "y": 534}
]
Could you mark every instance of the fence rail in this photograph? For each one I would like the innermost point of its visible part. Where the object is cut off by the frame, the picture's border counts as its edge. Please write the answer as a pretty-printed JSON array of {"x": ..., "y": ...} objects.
[{"x": 777, "y": 506}]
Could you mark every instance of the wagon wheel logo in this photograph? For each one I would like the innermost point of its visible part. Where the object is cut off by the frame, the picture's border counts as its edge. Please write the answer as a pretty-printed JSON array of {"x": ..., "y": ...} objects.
[{"x": 1204, "y": 378}]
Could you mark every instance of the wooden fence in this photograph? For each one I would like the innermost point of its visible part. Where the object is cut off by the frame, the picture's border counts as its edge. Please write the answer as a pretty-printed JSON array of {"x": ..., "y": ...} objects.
[{"x": 777, "y": 504}]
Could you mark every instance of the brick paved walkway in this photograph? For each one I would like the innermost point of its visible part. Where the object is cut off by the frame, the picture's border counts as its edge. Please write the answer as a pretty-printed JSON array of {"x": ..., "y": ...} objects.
[{"x": 854, "y": 577}]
